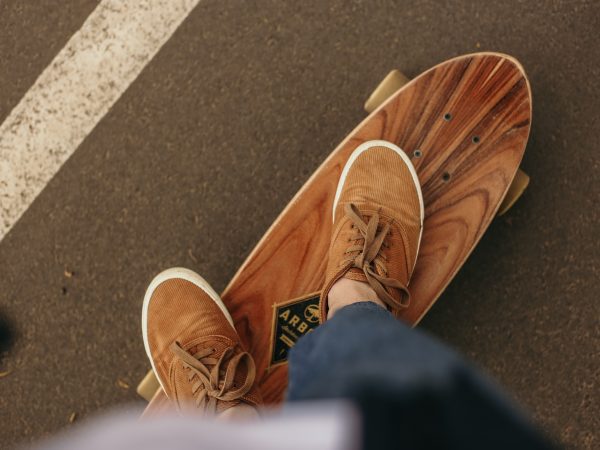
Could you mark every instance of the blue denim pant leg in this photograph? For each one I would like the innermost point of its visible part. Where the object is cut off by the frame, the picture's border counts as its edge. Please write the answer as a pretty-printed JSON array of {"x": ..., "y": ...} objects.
[{"x": 413, "y": 391}]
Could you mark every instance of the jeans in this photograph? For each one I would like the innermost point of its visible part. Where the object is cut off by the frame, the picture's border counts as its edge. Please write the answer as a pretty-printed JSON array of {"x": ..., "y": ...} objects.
[{"x": 413, "y": 392}]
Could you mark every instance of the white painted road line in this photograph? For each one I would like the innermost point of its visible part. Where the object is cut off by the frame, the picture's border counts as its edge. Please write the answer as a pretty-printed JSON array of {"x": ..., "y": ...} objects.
[{"x": 75, "y": 91}]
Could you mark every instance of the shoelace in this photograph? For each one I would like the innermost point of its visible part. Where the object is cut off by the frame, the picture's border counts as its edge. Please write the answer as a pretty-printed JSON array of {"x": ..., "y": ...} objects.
[
  {"x": 369, "y": 255},
  {"x": 209, "y": 387}
]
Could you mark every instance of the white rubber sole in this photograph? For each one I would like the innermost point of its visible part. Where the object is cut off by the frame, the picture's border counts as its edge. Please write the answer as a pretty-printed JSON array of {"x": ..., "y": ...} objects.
[
  {"x": 183, "y": 274},
  {"x": 380, "y": 143}
]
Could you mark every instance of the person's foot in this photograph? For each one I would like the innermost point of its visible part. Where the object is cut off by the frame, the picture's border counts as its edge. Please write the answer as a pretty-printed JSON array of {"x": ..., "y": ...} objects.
[
  {"x": 377, "y": 225},
  {"x": 193, "y": 346}
]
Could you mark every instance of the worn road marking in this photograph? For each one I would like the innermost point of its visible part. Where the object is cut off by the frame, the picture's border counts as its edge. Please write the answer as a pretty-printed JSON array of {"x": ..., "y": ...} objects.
[{"x": 75, "y": 91}]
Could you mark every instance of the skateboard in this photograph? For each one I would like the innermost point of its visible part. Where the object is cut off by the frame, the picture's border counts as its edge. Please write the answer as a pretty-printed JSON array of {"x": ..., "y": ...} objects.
[{"x": 464, "y": 123}]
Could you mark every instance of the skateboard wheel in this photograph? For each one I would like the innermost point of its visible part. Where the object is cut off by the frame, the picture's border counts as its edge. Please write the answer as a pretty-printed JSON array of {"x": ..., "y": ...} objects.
[
  {"x": 390, "y": 84},
  {"x": 148, "y": 386},
  {"x": 516, "y": 189}
]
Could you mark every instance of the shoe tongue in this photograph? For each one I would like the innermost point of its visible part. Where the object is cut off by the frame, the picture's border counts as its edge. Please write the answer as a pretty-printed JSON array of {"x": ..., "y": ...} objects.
[
  {"x": 219, "y": 343},
  {"x": 355, "y": 274},
  {"x": 198, "y": 348},
  {"x": 358, "y": 275},
  {"x": 188, "y": 403}
]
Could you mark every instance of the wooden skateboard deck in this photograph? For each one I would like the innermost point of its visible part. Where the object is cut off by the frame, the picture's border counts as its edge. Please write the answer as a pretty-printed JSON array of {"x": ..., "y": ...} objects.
[{"x": 465, "y": 125}]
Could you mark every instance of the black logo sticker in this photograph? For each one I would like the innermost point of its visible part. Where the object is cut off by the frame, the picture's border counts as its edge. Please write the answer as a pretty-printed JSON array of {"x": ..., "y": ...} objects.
[{"x": 292, "y": 320}]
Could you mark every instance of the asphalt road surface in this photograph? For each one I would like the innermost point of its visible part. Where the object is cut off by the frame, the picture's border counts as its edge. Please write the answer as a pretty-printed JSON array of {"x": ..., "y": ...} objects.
[{"x": 203, "y": 149}]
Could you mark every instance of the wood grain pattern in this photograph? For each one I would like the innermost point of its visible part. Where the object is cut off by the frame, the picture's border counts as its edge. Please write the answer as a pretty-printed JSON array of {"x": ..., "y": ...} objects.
[{"x": 468, "y": 162}]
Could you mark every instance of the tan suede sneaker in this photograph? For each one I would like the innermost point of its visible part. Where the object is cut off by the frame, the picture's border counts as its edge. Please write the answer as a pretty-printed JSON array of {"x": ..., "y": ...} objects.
[
  {"x": 193, "y": 346},
  {"x": 377, "y": 224}
]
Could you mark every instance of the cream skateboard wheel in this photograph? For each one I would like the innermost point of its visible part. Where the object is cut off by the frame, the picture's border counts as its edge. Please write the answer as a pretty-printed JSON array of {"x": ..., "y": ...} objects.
[
  {"x": 516, "y": 189},
  {"x": 148, "y": 386},
  {"x": 390, "y": 84}
]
